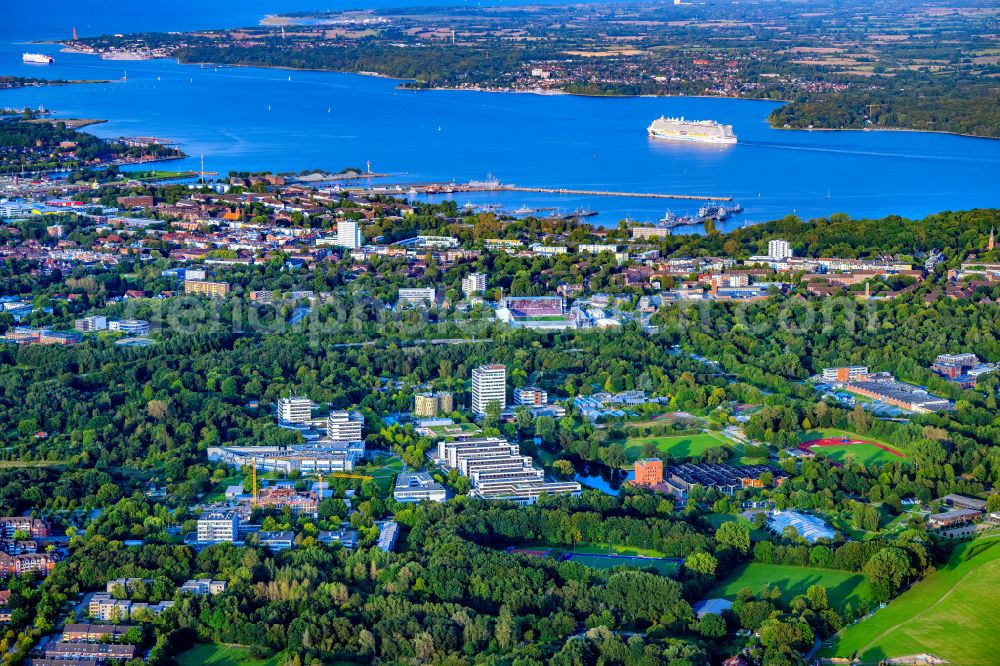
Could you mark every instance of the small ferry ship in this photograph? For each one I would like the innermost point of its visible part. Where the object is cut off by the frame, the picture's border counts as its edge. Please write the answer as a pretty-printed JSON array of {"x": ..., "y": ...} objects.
[
  {"x": 37, "y": 58},
  {"x": 698, "y": 131}
]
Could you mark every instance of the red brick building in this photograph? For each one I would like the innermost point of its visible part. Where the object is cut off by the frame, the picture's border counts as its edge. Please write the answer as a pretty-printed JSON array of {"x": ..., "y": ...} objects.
[{"x": 649, "y": 471}]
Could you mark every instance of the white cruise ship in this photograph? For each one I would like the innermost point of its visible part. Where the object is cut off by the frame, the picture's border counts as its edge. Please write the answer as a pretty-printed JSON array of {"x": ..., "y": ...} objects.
[
  {"x": 37, "y": 58},
  {"x": 699, "y": 131}
]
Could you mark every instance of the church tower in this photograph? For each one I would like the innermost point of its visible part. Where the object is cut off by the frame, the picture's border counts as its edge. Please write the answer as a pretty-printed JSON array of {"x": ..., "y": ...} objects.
[{"x": 992, "y": 242}]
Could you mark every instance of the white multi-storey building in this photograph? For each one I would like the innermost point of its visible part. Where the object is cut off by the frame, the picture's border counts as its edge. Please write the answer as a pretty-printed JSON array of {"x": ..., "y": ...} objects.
[
  {"x": 218, "y": 526},
  {"x": 349, "y": 234},
  {"x": 530, "y": 395},
  {"x": 417, "y": 487},
  {"x": 416, "y": 296},
  {"x": 489, "y": 384},
  {"x": 344, "y": 425},
  {"x": 779, "y": 249},
  {"x": 497, "y": 470},
  {"x": 597, "y": 248},
  {"x": 92, "y": 323},
  {"x": 847, "y": 373},
  {"x": 129, "y": 326},
  {"x": 473, "y": 283},
  {"x": 295, "y": 409},
  {"x": 325, "y": 456}
]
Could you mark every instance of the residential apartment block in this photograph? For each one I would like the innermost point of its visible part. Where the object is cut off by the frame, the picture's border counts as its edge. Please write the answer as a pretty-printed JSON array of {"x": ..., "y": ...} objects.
[
  {"x": 206, "y": 288},
  {"x": 104, "y": 607},
  {"x": 203, "y": 586},
  {"x": 473, "y": 283}
]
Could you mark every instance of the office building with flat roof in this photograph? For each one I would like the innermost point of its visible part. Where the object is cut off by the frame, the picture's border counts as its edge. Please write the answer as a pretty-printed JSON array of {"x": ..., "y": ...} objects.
[
  {"x": 416, "y": 296},
  {"x": 489, "y": 384},
  {"x": 218, "y": 527},
  {"x": 417, "y": 487},
  {"x": 344, "y": 425},
  {"x": 649, "y": 471},
  {"x": 497, "y": 470},
  {"x": 430, "y": 405},
  {"x": 294, "y": 409},
  {"x": 426, "y": 404},
  {"x": 324, "y": 455},
  {"x": 531, "y": 396},
  {"x": 847, "y": 373}
]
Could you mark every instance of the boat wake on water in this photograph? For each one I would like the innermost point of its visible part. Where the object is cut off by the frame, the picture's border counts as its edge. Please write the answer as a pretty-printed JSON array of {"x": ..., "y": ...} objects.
[{"x": 868, "y": 153}]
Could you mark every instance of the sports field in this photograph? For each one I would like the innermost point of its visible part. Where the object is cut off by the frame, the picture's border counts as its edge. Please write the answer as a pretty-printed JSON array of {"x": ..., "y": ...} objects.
[
  {"x": 604, "y": 561},
  {"x": 841, "y": 586},
  {"x": 679, "y": 446},
  {"x": 866, "y": 454},
  {"x": 221, "y": 655},
  {"x": 837, "y": 444},
  {"x": 601, "y": 556},
  {"x": 952, "y": 614}
]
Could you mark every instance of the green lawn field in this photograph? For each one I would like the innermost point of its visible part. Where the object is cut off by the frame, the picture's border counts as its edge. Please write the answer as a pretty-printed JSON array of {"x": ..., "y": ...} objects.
[
  {"x": 383, "y": 476},
  {"x": 590, "y": 548},
  {"x": 866, "y": 454},
  {"x": 219, "y": 492},
  {"x": 841, "y": 586},
  {"x": 667, "y": 568},
  {"x": 221, "y": 655},
  {"x": 4, "y": 464},
  {"x": 823, "y": 433},
  {"x": 952, "y": 614},
  {"x": 716, "y": 519},
  {"x": 679, "y": 446}
]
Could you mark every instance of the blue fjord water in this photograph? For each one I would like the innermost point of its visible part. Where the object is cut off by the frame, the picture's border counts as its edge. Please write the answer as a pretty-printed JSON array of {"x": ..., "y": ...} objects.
[{"x": 260, "y": 119}]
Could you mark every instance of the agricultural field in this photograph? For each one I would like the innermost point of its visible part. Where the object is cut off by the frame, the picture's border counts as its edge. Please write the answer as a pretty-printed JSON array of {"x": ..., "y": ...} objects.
[
  {"x": 841, "y": 586},
  {"x": 951, "y": 614},
  {"x": 678, "y": 446},
  {"x": 221, "y": 655}
]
